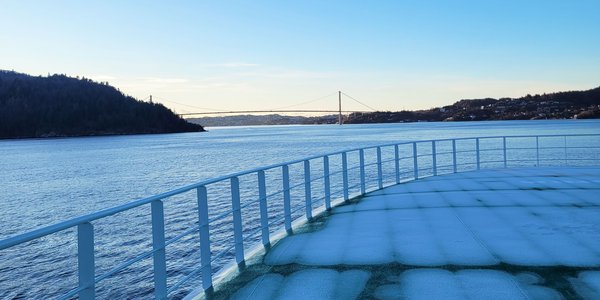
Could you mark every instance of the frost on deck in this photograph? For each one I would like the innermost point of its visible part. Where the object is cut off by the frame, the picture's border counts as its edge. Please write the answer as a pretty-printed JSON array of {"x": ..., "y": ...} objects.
[{"x": 498, "y": 234}]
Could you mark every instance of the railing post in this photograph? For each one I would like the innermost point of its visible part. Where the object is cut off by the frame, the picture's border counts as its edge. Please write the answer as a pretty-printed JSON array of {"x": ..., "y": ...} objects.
[
  {"x": 237, "y": 221},
  {"x": 477, "y": 151},
  {"x": 454, "y": 163},
  {"x": 205, "y": 256},
  {"x": 361, "y": 154},
  {"x": 433, "y": 158},
  {"x": 307, "y": 193},
  {"x": 397, "y": 163},
  {"x": 504, "y": 148},
  {"x": 326, "y": 184},
  {"x": 264, "y": 218},
  {"x": 287, "y": 210},
  {"x": 379, "y": 169},
  {"x": 345, "y": 175},
  {"x": 415, "y": 161},
  {"x": 85, "y": 260},
  {"x": 158, "y": 245},
  {"x": 537, "y": 151}
]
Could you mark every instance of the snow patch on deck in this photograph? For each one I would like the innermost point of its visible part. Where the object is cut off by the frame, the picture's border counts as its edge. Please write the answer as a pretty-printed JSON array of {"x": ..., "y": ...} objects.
[
  {"x": 306, "y": 284},
  {"x": 497, "y": 234},
  {"x": 587, "y": 284},
  {"x": 525, "y": 217},
  {"x": 466, "y": 284}
]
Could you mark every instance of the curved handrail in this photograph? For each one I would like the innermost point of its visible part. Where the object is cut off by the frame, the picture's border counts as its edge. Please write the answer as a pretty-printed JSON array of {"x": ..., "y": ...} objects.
[
  {"x": 9, "y": 242},
  {"x": 22, "y": 238},
  {"x": 86, "y": 286}
]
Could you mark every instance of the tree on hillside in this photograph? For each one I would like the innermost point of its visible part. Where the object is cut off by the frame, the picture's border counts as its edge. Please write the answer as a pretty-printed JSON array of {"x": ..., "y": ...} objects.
[{"x": 58, "y": 105}]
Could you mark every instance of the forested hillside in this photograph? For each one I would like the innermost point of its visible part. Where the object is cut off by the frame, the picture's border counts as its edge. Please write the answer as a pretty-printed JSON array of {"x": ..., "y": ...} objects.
[
  {"x": 561, "y": 105},
  {"x": 59, "y": 105}
]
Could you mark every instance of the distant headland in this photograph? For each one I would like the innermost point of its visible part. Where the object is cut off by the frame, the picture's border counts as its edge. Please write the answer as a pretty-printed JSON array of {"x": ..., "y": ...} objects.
[
  {"x": 561, "y": 105},
  {"x": 62, "y": 106}
]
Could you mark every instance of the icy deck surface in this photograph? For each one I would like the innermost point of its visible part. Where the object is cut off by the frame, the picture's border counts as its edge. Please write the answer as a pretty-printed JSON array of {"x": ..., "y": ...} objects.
[{"x": 501, "y": 234}]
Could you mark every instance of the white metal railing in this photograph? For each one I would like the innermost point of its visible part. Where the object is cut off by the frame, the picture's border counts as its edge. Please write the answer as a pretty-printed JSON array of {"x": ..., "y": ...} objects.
[{"x": 324, "y": 181}]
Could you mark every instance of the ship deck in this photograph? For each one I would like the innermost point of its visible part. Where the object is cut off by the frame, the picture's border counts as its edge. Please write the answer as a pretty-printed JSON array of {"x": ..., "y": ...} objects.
[{"x": 528, "y": 233}]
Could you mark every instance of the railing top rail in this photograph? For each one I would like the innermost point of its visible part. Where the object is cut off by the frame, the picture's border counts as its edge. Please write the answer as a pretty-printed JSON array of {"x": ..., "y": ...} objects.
[{"x": 40, "y": 232}]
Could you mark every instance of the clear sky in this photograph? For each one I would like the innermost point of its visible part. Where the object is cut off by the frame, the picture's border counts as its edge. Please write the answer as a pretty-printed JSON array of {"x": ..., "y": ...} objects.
[{"x": 390, "y": 55}]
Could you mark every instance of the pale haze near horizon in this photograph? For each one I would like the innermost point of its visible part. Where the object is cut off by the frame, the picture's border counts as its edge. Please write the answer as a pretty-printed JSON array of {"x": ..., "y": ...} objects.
[{"x": 251, "y": 55}]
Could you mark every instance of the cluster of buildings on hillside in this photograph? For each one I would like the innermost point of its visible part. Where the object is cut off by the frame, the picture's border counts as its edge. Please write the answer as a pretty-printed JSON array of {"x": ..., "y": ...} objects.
[{"x": 519, "y": 109}]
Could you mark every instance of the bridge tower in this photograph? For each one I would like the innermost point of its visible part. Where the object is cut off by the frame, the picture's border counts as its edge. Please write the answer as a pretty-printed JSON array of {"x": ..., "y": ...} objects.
[{"x": 340, "y": 106}]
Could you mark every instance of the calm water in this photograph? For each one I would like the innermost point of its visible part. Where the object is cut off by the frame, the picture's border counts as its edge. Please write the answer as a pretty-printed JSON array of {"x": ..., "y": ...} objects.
[{"x": 50, "y": 180}]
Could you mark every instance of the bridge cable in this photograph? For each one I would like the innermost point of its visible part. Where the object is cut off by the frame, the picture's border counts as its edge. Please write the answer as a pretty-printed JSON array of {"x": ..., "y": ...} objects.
[
  {"x": 306, "y": 102},
  {"x": 204, "y": 108},
  {"x": 359, "y": 101}
]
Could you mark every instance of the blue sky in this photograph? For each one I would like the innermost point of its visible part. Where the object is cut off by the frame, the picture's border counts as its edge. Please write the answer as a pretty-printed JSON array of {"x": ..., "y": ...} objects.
[{"x": 391, "y": 55}]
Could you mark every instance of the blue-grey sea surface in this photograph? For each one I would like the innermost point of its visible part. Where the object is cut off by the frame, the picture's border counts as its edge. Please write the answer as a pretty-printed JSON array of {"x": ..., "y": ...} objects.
[{"x": 45, "y": 181}]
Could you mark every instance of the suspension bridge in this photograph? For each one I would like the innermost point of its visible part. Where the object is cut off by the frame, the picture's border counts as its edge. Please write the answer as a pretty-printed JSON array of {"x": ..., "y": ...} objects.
[{"x": 286, "y": 109}]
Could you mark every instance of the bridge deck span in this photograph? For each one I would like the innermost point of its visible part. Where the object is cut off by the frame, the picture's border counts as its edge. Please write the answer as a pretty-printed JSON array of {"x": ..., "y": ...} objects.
[{"x": 270, "y": 111}]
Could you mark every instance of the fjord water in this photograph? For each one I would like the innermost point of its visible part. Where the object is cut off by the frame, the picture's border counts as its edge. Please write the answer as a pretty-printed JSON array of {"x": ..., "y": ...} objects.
[{"x": 44, "y": 181}]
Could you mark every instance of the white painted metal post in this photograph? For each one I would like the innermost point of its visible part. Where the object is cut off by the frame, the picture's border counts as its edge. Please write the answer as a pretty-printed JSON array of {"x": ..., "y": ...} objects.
[
  {"x": 433, "y": 158},
  {"x": 158, "y": 245},
  {"x": 287, "y": 210},
  {"x": 379, "y": 169},
  {"x": 477, "y": 151},
  {"x": 454, "y": 163},
  {"x": 345, "y": 175},
  {"x": 237, "y": 221},
  {"x": 326, "y": 183},
  {"x": 85, "y": 260},
  {"x": 361, "y": 154},
  {"x": 264, "y": 218},
  {"x": 504, "y": 149},
  {"x": 205, "y": 256},
  {"x": 537, "y": 150},
  {"x": 397, "y": 163},
  {"x": 307, "y": 192},
  {"x": 415, "y": 161}
]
